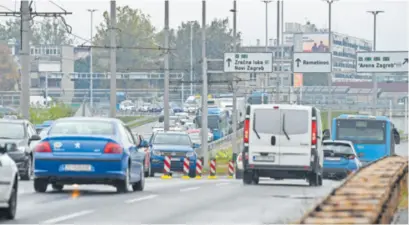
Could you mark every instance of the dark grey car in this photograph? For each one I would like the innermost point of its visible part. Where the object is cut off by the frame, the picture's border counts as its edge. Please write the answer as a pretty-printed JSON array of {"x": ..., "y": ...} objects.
[{"x": 20, "y": 133}]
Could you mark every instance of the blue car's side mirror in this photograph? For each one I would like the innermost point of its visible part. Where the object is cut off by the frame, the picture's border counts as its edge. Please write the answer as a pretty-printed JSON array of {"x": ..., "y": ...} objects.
[{"x": 196, "y": 145}]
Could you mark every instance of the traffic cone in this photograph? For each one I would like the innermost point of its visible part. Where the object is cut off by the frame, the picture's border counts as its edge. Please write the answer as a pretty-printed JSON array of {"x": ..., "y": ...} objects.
[{"x": 166, "y": 168}]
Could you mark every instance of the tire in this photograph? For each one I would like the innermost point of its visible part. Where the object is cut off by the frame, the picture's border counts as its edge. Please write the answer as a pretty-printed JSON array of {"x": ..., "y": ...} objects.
[
  {"x": 140, "y": 185},
  {"x": 239, "y": 174},
  {"x": 255, "y": 180},
  {"x": 29, "y": 170},
  {"x": 57, "y": 187},
  {"x": 320, "y": 180},
  {"x": 147, "y": 173},
  {"x": 10, "y": 212},
  {"x": 123, "y": 185},
  {"x": 313, "y": 179},
  {"x": 192, "y": 173},
  {"x": 247, "y": 177},
  {"x": 40, "y": 185},
  {"x": 151, "y": 173}
]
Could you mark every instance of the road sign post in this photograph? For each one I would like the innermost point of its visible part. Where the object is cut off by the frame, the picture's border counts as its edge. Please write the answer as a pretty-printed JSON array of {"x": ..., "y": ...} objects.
[
  {"x": 235, "y": 62},
  {"x": 312, "y": 62},
  {"x": 382, "y": 62}
]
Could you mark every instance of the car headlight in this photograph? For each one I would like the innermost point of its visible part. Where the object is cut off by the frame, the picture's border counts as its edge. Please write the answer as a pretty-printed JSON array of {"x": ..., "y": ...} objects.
[
  {"x": 155, "y": 152},
  {"x": 190, "y": 154}
]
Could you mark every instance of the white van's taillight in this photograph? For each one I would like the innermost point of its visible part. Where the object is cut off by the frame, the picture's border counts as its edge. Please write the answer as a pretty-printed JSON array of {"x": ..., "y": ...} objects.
[
  {"x": 246, "y": 131},
  {"x": 314, "y": 132}
]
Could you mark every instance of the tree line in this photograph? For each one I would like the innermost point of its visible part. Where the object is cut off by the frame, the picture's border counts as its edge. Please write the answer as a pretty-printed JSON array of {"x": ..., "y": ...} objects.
[{"x": 140, "y": 44}]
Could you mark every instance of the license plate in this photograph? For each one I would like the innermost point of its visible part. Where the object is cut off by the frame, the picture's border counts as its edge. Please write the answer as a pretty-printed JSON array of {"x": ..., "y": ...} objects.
[
  {"x": 175, "y": 159},
  {"x": 264, "y": 158},
  {"x": 333, "y": 158},
  {"x": 77, "y": 167}
]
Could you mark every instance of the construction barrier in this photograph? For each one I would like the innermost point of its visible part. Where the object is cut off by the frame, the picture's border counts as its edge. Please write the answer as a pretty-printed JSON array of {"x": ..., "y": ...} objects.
[
  {"x": 199, "y": 163},
  {"x": 166, "y": 168},
  {"x": 186, "y": 168},
  {"x": 370, "y": 196},
  {"x": 231, "y": 169},
  {"x": 212, "y": 169}
]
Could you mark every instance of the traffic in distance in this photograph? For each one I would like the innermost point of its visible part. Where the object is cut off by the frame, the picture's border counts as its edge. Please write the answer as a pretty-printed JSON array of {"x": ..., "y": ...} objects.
[{"x": 279, "y": 141}]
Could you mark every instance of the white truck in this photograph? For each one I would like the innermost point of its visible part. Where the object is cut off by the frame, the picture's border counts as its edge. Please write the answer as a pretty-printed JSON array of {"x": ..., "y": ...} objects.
[{"x": 227, "y": 103}]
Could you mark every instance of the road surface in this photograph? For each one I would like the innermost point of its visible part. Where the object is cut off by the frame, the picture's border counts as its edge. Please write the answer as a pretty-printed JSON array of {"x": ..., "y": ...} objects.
[{"x": 174, "y": 201}]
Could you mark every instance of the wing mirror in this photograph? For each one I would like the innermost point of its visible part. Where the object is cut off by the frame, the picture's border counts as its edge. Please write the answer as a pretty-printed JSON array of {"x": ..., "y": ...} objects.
[
  {"x": 326, "y": 134},
  {"x": 396, "y": 136},
  {"x": 195, "y": 145},
  {"x": 35, "y": 137},
  {"x": 144, "y": 144}
]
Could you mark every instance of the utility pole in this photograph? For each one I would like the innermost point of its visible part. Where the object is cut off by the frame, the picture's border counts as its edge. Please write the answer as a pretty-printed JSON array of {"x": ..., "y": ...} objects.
[
  {"x": 191, "y": 58},
  {"x": 26, "y": 13},
  {"x": 91, "y": 79},
  {"x": 113, "y": 60},
  {"x": 234, "y": 111},
  {"x": 330, "y": 50},
  {"x": 265, "y": 79},
  {"x": 204, "y": 130},
  {"x": 374, "y": 80},
  {"x": 166, "y": 80},
  {"x": 278, "y": 46}
]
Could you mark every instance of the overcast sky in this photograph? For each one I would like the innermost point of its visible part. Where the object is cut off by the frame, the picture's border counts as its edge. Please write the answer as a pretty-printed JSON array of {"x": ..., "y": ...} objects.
[{"x": 348, "y": 16}]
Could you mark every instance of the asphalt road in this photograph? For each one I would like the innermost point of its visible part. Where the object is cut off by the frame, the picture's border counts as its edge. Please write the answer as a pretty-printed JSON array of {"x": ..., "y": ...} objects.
[{"x": 174, "y": 201}]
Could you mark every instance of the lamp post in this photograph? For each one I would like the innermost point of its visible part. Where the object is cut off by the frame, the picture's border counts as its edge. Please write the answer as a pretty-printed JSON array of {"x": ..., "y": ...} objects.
[{"x": 91, "y": 82}]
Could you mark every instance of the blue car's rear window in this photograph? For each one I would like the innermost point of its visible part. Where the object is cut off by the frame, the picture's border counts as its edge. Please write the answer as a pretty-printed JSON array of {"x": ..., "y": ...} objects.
[{"x": 82, "y": 128}]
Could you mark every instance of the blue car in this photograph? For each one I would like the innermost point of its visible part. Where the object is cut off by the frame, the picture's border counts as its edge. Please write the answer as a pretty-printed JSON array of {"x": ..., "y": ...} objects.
[
  {"x": 178, "y": 146},
  {"x": 340, "y": 159},
  {"x": 83, "y": 150}
]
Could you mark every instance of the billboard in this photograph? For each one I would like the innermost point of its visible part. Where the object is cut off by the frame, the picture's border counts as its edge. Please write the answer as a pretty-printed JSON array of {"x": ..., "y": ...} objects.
[
  {"x": 317, "y": 42},
  {"x": 298, "y": 80}
]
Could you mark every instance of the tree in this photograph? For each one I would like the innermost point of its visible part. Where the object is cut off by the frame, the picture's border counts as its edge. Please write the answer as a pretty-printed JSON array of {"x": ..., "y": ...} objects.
[
  {"x": 9, "y": 72},
  {"x": 134, "y": 30},
  {"x": 45, "y": 32},
  {"x": 219, "y": 39}
]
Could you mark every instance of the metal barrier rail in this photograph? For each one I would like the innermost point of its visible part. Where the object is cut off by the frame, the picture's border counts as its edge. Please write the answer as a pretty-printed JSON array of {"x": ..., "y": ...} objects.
[
  {"x": 370, "y": 196},
  {"x": 224, "y": 142}
]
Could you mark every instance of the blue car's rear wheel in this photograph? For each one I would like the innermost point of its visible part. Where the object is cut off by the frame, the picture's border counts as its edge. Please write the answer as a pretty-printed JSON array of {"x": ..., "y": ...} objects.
[
  {"x": 140, "y": 185},
  {"x": 40, "y": 185},
  {"x": 123, "y": 185}
]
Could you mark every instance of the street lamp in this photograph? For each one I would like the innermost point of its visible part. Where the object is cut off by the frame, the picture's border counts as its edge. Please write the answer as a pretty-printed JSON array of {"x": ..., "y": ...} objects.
[
  {"x": 91, "y": 82},
  {"x": 266, "y": 31},
  {"x": 191, "y": 57},
  {"x": 374, "y": 81},
  {"x": 330, "y": 50}
]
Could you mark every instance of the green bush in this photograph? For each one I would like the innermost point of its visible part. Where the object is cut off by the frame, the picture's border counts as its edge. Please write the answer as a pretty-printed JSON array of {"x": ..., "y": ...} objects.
[{"x": 38, "y": 116}]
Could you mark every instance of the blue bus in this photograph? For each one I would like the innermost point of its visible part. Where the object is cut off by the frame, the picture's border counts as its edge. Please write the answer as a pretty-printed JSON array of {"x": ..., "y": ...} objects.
[
  {"x": 218, "y": 122},
  {"x": 374, "y": 137},
  {"x": 257, "y": 98}
]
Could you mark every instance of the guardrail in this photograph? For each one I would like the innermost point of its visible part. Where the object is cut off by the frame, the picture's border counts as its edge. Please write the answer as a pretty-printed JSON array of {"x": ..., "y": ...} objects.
[
  {"x": 370, "y": 196},
  {"x": 225, "y": 141}
]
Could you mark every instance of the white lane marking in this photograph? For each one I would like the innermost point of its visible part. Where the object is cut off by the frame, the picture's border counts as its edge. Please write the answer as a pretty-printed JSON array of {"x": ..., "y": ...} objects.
[
  {"x": 67, "y": 217},
  {"x": 140, "y": 199},
  {"x": 189, "y": 189},
  {"x": 222, "y": 184}
]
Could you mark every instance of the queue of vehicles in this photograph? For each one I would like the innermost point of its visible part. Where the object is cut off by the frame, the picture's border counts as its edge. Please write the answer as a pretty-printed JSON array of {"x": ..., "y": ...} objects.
[{"x": 287, "y": 142}]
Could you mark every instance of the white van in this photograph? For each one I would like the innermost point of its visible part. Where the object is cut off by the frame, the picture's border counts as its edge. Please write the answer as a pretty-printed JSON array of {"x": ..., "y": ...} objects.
[{"x": 282, "y": 141}]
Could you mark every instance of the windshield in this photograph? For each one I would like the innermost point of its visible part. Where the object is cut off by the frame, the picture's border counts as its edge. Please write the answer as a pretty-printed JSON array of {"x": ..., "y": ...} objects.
[
  {"x": 171, "y": 139},
  {"x": 361, "y": 131},
  {"x": 44, "y": 132},
  {"x": 341, "y": 148},
  {"x": 82, "y": 127},
  {"x": 12, "y": 131}
]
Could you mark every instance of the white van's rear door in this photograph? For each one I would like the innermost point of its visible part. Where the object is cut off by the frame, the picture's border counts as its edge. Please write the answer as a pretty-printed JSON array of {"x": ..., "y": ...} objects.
[
  {"x": 295, "y": 136},
  {"x": 264, "y": 123}
]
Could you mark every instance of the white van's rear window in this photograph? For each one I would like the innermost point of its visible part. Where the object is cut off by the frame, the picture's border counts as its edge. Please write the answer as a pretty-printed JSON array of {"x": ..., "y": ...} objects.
[{"x": 269, "y": 121}]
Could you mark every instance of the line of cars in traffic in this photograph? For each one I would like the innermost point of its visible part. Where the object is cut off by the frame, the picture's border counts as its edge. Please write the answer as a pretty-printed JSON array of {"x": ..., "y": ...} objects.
[
  {"x": 174, "y": 107},
  {"x": 287, "y": 142}
]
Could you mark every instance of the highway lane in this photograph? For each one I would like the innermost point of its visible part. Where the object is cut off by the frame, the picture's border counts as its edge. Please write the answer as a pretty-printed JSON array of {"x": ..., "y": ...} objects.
[{"x": 175, "y": 201}]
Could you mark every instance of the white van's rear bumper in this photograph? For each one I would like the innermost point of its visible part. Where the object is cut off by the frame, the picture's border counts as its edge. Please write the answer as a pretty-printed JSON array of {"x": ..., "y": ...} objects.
[{"x": 280, "y": 172}]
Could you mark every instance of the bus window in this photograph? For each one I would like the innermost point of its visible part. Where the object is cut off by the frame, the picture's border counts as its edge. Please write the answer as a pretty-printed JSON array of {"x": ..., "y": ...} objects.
[{"x": 361, "y": 131}]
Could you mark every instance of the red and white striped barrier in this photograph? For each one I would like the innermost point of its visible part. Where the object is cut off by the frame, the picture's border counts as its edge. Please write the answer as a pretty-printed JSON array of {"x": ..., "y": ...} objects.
[
  {"x": 166, "y": 166},
  {"x": 186, "y": 167},
  {"x": 231, "y": 168},
  {"x": 212, "y": 167},
  {"x": 199, "y": 164}
]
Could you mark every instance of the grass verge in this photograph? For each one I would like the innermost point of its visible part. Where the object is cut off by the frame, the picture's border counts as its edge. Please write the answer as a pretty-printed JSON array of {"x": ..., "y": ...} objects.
[
  {"x": 223, "y": 157},
  {"x": 142, "y": 122},
  {"x": 127, "y": 119}
]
